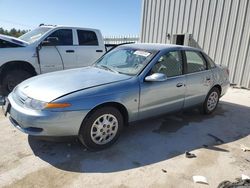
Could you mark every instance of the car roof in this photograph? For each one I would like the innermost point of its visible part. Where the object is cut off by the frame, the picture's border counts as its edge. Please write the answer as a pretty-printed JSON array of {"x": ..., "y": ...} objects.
[
  {"x": 159, "y": 47},
  {"x": 68, "y": 27}
]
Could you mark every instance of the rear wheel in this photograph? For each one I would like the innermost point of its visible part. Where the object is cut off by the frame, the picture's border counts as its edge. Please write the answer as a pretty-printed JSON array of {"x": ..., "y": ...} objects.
[
  {"x": 101, "y": 128},
  {"x": 211, "y": 101},
  {"x": 12, "y": 79}
]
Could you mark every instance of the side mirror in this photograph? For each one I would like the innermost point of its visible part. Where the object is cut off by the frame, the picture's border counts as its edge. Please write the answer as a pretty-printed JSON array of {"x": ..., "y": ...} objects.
[
  {"x": 50, "y": 41},
  {"x": 156, "y": 77}
]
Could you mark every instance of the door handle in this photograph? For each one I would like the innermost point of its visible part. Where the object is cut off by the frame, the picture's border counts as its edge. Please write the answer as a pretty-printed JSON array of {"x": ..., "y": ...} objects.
[
  {"x": 208, "y": 78},
  {"x": 179, "y": 85},
  {"x": 99, "y": 50},
  {"x": 70, "y": 51}
]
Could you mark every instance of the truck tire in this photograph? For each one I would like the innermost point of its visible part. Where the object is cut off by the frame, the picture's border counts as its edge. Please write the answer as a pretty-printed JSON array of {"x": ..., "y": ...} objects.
[{"x": 12, "y": 79}]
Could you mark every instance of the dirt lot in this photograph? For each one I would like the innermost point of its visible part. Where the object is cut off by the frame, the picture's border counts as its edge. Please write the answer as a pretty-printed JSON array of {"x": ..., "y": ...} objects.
[{"x": 148, "y": 154}]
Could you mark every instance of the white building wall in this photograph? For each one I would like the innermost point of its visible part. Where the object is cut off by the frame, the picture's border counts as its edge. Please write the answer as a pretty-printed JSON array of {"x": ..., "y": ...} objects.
[{"x": 220, "y": 27}]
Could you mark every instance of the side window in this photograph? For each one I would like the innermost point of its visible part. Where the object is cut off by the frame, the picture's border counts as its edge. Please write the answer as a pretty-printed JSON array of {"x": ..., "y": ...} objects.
[
  {"x": 87, "y": 38},
  {"x": 195, "y": 62},
  {"x": 210, "y": 62},
  {"x": 169, "y": 64},
  {"x": 64, "y": 36}
]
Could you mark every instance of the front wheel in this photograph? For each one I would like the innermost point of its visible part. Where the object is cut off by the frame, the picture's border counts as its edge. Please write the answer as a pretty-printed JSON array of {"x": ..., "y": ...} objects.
[
  {"x": 12, "y": 79},
  {"x": 101, "y": 128},
  {"x": 211, "y": 101}
]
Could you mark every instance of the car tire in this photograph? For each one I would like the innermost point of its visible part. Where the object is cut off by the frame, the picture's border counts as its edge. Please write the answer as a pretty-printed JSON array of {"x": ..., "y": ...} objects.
[
  {"x": 211, "y": 101},
  {"x": 12, "y": 79},
  {"x": 101, "y": 128}
]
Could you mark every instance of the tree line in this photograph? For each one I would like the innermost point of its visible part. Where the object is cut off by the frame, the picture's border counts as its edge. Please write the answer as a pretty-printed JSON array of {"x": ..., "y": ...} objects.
[{"x": 13, "y": 32}]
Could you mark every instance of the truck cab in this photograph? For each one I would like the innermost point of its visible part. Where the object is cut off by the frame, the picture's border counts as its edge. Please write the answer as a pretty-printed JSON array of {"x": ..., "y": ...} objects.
[{"x": 47, "y": 49}]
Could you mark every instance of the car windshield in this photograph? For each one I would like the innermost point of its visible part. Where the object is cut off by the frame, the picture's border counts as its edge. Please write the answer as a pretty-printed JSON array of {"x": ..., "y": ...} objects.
[
  {"x": 34, "y": 35},
  {"x": 125, "y": 61}
]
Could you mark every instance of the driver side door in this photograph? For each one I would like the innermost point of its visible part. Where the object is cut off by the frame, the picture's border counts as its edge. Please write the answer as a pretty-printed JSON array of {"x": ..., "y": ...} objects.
[
  {"x": 160, "y": 97},
  {"x": 59, "y": 57}
]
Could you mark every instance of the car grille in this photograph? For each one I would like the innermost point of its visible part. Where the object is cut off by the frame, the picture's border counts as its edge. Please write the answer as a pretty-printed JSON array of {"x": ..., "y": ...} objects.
[{"x": 19, "y": 97}]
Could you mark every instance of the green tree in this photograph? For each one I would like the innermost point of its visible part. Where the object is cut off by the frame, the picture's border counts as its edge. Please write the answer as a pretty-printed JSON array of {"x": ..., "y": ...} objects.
[{"x": 13, "y": 32}]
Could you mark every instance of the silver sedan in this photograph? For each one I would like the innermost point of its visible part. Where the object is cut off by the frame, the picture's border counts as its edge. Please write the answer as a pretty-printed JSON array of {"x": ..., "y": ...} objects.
[{"x": 129, "y": 83}]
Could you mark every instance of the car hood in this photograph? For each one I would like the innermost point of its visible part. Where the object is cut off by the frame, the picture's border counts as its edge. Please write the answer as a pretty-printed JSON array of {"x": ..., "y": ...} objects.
[
  {"x": 48, "y": 87},
  {"x": 13, "y": 40}
]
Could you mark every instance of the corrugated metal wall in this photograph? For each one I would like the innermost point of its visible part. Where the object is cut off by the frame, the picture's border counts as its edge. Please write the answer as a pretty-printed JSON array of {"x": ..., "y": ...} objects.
[{"x": 220, "y": 27}]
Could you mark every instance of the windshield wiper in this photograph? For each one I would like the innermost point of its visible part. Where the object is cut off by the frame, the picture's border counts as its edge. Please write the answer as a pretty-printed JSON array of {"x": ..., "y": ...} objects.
[{"x": 108, "y": 68}]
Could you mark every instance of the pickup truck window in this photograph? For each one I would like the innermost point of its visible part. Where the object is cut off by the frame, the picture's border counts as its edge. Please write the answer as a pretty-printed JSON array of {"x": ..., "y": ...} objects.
[
  {"x": 65, "y": 37},
  {"x": 34, "y": 35},
  {"x": 87, "y": 38}
]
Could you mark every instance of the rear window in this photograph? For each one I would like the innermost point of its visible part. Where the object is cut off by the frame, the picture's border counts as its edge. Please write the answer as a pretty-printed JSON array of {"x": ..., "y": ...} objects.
[{"x": 87, "y": 38}]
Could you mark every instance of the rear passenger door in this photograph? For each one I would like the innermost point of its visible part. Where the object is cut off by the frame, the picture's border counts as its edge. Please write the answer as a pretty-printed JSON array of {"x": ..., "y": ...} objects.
[
  {"x": 198, "y": 78},
  {"x": 88, "y": 48}
]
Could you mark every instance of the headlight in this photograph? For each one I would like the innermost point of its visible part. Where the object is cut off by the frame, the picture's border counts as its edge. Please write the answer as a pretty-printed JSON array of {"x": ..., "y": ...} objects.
[
  {"x": 39, "y": 105},
  {"x": 34, "y": 104}
]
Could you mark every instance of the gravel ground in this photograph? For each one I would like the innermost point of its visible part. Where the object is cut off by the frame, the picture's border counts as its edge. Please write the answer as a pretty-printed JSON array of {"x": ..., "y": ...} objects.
[{"x": 148, "y": 154}]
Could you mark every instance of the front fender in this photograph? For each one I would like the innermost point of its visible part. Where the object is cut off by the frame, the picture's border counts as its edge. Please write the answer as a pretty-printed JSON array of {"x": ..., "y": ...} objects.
[
  {"x": 125, "y": 93},
  {"x": 19, "y": 54}
]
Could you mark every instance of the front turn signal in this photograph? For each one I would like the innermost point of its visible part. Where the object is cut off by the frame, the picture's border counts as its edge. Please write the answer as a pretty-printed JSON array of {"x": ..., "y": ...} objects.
[{"x": 57, "y": 105}]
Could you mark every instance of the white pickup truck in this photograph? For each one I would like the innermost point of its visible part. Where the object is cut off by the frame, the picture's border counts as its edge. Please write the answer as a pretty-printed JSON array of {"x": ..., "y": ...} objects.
[{"x": 46, "y": 49}]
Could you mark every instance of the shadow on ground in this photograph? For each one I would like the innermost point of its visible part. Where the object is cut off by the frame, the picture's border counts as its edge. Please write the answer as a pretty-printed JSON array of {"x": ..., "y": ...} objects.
[{"x": 150, "y": 141}]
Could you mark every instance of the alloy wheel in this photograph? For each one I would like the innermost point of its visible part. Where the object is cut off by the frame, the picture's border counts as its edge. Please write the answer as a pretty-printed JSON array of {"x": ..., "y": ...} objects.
[
  {"x": 104, "y": 129},
  {"x": 212, "y": 100}
]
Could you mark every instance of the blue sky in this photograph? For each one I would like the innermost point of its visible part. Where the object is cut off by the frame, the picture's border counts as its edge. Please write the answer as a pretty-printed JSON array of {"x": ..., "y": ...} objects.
[{"x": 112, "y": 17}]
